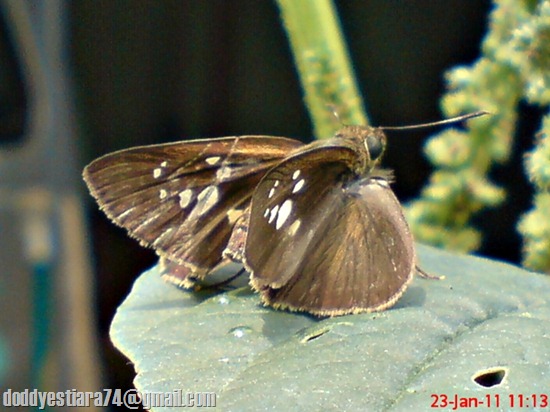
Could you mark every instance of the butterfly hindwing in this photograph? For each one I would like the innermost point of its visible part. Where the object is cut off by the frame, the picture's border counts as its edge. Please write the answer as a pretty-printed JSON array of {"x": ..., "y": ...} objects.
[
  {"x": 367, "y": 257},
  {"x": 183, "y": 198},
  {"x": 340, "y": 245}
]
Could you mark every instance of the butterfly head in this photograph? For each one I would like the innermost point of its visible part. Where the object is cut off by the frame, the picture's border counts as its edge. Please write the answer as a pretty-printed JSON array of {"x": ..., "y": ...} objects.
[{"x": 370, "y": 142}]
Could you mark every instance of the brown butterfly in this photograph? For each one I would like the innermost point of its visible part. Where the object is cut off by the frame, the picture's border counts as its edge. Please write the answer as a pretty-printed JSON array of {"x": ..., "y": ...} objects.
[{"x": 316, "y": 225}]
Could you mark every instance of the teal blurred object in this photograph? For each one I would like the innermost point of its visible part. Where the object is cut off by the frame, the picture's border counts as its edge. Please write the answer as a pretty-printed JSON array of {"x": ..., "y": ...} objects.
[
  {"x": 47, "y": 321},
  {"x": 4, "y": 361}
]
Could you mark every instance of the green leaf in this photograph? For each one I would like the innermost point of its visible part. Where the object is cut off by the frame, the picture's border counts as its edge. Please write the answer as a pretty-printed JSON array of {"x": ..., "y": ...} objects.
[{"x": 438, "y": 337}]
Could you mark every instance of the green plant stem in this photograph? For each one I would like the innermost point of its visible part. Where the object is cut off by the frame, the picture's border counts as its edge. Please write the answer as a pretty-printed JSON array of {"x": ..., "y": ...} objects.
[{"x": 323, "y": 64}]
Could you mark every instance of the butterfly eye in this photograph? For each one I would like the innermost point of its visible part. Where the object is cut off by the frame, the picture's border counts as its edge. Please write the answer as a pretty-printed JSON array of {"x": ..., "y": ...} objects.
[{"x": 375, "y": 146}]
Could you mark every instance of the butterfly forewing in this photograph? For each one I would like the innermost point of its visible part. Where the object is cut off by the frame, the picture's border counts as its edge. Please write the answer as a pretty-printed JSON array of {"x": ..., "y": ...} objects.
[
  {"x": 322, "y": 242},
  {"x": 183, "y": 198}
]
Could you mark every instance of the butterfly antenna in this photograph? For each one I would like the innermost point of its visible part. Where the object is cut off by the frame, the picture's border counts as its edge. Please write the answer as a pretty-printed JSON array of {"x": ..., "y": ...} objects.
[{"x": 439, "y": 123}]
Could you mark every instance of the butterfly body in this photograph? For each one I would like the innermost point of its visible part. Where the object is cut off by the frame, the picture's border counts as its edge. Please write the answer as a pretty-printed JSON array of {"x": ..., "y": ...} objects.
[{"x": 317, "y": 226}]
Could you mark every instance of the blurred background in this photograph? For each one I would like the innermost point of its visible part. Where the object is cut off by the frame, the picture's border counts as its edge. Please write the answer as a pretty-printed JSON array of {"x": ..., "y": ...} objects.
[{"x": 83, "y": 78}]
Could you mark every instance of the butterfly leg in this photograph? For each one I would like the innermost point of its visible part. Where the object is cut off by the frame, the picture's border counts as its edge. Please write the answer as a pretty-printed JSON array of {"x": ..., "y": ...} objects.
[
  {"x": 422, "y": 273},
  {"x": 225, "y": 282}
]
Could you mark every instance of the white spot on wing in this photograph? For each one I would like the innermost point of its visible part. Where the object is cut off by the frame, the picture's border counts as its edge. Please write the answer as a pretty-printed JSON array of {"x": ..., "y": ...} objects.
[
  {"x": 233, "y": 215},
  {"x": 296, "y": 174},
  {"x": 266, "y": 212},
  {"x": 223, "y": 173},
  {"x": 276, "y": 183},
  {"x": 283, "y": 214},
  {"x": 185, "y": 198},
  {"x": 298, "y": 185},
  {"x": 294, "y": 227},
  {"x": 157, "y": 172},
  {"x": 273, "y": 213},
  {"x": 212, "y": 160},
  {"x": 271, "y": 193},
  {"x": 164, "y": 164},
  {"x": 163, "y": 193},
  {"x": 207, "y": 199}
]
